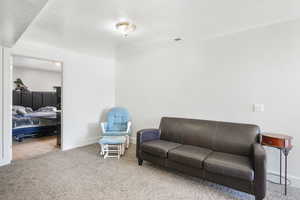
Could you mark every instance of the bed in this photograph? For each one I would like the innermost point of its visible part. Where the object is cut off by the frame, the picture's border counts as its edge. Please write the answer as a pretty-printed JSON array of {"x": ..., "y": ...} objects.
[{"x": 34, "y": 114}]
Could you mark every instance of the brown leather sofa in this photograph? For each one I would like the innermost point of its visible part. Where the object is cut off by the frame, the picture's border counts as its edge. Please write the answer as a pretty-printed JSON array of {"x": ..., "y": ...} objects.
[{"x": 221, "y": 152}]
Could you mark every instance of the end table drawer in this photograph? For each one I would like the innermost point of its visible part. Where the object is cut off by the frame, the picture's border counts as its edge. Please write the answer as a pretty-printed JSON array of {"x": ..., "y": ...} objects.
[{"x": 270, "y": 141}]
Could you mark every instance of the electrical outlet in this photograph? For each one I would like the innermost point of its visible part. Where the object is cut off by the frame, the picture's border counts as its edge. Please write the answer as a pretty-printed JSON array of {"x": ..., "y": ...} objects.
[{"x": 258, "y": 107}]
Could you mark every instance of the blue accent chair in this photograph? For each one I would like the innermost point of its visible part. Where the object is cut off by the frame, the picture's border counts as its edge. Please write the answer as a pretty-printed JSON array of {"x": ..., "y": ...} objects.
[{"x": 117, "y": 124}]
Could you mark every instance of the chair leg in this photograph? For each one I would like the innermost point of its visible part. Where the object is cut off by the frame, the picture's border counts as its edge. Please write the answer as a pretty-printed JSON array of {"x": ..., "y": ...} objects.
[
  {"x": 105, "y": 154},
  {"x": 100, "y": 151},
  {"x": 140, "y": 161},
  {"x": 104, "y": 151},
  {"x": 119, "y": 151},
  {"x": 123, "y": 149},
  {"x": 127, "y": 141}
]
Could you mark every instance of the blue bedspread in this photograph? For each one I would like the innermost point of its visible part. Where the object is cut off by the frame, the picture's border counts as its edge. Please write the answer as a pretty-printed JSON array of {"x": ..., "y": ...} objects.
[
  {"x": 32, "y": 124},
  {"x": 29, "y": 123},
  {"x": 29, "y": 119},
  {"x": 18, "y": 121}
]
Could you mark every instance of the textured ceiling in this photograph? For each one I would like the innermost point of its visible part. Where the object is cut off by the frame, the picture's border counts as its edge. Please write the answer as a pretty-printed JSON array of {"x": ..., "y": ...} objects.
[
  {"x": 15, "y": 16},
  {"x": 88, "y": 26}
]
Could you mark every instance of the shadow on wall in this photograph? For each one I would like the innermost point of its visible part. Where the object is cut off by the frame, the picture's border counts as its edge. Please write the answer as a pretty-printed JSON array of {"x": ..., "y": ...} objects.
[
  {"x": 103, "y": 115},
  {"x": 94, "y": 131}
]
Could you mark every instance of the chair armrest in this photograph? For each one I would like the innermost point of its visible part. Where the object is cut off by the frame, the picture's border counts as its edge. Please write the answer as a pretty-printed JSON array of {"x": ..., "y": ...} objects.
[
  {"x": 128, "y": 127},
  {"x": 260, "y": 171},
  {"x": 103, "y": 126},
  {"x": 145, "y": 135}
]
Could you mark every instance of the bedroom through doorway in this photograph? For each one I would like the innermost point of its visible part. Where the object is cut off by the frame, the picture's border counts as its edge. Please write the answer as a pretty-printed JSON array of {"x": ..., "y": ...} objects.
[{"x": 36, "y": 106}]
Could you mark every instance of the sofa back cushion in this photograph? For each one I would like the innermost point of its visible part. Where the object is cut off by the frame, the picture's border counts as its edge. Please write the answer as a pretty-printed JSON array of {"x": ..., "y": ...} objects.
[
  {"x": 235, "y": 138},
  {"x": 171, "y": 129},
  {"x": 188, "y": 131},
  {"x": 219, "y": 136}
]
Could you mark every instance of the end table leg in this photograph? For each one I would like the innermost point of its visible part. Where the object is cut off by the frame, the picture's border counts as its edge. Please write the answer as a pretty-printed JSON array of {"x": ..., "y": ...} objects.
[
  {"x": 280, "y": 166},
  {"x": 285, "y": 180}
]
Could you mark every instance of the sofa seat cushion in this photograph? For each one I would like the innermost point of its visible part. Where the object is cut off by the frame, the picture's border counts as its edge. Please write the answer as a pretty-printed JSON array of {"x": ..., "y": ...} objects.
[
  {"x": 189, "y": 155},
  {"x": 159, "y": 147},
  {"x": 230, "y": 165}
]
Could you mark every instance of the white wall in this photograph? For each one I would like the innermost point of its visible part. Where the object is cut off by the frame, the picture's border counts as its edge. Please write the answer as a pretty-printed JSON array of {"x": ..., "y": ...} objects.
[
  {"x": 88, "y": 90},
  {"x": 37, "y": 80},
  {"x": 218, "y": 79}
]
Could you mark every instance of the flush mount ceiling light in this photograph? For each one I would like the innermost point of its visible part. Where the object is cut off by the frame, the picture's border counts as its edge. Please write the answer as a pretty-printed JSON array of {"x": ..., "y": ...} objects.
[
  {"x": 177, "y": 39},
  {"x": 56, "y": 63},
  {"x": 125, "y": 28}
]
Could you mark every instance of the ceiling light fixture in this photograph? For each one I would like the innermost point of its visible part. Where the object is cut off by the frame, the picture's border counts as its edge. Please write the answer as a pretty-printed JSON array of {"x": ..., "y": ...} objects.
[
  {"x": 177, "y": 39},
  {"x": 56, "y": 63},
  {"x": 125, "y": 28}
]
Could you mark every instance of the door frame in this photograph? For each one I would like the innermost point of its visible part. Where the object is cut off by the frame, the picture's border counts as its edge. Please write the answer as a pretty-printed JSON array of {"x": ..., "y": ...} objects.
[
  {"x": 6, "y": 118},
  {"x": 1, "y": 106},
  {"x": 10, "y": 101}
]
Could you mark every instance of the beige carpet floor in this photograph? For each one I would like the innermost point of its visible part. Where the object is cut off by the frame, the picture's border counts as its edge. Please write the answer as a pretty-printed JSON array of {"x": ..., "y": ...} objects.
[
  {"x": 80, "y": 174},
  {"x": 32, "y": 147}
]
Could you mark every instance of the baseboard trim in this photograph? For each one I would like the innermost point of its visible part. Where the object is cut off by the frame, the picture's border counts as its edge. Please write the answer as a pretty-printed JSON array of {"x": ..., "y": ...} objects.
[
  {"x": 81, "y": 144},
  {"x": 133, "y": 140},
  {"x": 4, "y": 162},
  {"x": 295, "y": 181},
  {"x": 89, "y": 142}
]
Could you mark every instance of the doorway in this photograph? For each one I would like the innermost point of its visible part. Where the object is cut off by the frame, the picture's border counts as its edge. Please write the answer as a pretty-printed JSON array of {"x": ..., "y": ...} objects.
[{"x": 36, "y": 106}]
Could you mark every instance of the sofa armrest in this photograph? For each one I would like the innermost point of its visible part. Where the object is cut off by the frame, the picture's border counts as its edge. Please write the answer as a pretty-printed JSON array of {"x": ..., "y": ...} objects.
[
  {"x": 145, "y": 135},
  {"x": 260, "y": 171}
]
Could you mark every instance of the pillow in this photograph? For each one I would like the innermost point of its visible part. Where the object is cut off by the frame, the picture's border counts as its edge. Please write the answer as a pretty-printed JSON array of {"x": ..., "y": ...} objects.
[
  {"x": 17, "y": 107},
  {"x": 19, "y": 110},
  {"x": 47, "y": 109},
  {"x": 28, "y": 110}
]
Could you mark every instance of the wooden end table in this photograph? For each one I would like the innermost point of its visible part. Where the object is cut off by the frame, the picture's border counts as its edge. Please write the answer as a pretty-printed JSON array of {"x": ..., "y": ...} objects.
[{"x": 284, "y": 144}]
